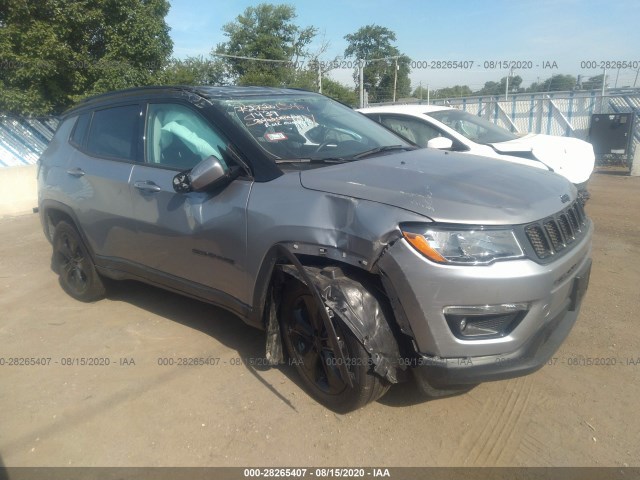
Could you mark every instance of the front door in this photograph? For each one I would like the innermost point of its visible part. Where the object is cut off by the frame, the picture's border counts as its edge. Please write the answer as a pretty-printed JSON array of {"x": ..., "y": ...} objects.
[{"x": 199, "y": 237}]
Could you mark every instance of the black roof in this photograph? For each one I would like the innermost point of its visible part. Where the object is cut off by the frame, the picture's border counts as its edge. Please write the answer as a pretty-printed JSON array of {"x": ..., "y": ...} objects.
[
  {"x": 202, "y": 91},
  {"x": 235, "y": 91}
]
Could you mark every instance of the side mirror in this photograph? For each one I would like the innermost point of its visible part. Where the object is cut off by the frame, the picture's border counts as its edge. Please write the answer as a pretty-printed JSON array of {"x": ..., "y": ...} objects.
[
  {"x": 206, "y": 174},
  {"x": 441, "y": 143}
]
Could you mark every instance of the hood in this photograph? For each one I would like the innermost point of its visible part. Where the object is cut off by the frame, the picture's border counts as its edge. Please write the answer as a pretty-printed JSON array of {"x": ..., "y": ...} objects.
[
  {"x": 570, "y": 157},
  {"x": 447, "y": 187}
]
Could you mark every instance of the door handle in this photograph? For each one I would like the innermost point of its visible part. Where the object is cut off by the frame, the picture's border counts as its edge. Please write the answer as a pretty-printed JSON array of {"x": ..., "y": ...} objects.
[
  {"x": 75, "y": 172},
  {"x": 146, "y": 186}
]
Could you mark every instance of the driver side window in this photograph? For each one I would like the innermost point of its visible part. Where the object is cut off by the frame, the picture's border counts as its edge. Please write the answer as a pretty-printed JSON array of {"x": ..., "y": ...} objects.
[{"x": 179, "y": 138}]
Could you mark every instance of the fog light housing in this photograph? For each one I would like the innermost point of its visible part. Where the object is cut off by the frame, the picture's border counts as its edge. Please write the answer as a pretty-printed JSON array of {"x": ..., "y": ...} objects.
[{"x": 484, "y": 321}]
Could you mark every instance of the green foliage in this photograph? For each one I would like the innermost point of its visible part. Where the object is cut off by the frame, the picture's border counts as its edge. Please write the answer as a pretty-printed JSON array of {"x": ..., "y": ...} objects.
[
  {"x": 307, "y": 79},
  {"x": 421, "y": 92},
  {"x": 194, "y": 71},
  {"x": 54, "y": 52},
  {"x": 499, "y": 88},
  {"x": 265, "y": 31},
  {"x": 452, "y": 92},
  {"x": 373, "y": 42},
  {"x": 594, "y": 83},
  {"x": 556, "y": 83},
  {"x": 340, "y": 92}
]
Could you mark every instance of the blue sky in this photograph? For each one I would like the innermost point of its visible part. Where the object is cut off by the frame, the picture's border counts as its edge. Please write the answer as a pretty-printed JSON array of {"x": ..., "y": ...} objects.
[{"x": 566, "y": 32}]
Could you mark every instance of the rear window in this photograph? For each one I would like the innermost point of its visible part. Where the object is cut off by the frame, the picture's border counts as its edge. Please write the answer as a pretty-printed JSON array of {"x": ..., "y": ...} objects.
[
  {"x": 80, "y": 130},
  {"x": 113, "y": 132}
]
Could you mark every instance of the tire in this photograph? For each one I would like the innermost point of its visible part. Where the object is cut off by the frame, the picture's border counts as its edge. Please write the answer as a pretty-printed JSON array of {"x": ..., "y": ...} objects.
[
  {"x": 306, "y": 340},
  {"x": 72, "y": 262}
]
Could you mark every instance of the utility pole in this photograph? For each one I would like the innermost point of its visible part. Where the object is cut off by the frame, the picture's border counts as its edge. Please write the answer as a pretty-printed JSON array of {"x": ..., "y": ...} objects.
[
  {"x": 506, "y": 88},
  {"x": 319, "y": 77},
  {"x": 616, "y": 84},
  {"x": 604, "y": 81},
  {"x": 428, "y": 102},
  {"x": 395, "y": 78},
  {"x": 634, "y": 82},
  {"x": 361, "y": 74},
  {"x": 420, "y": 87}
]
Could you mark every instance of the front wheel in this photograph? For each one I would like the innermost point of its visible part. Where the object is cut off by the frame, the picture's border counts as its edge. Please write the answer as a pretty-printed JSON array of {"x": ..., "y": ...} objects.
[
  {"x": 72, "y": 262},
  {"x": 310, "y": 351}
]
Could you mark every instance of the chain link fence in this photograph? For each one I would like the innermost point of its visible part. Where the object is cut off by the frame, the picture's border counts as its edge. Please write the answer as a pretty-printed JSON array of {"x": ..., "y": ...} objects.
[{"x": 22, "y": 140}]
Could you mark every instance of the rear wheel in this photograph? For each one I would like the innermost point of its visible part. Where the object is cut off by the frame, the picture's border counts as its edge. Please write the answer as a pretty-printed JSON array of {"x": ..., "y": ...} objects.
[
  {"x": 72, "y": 262},
  {"x": 310, "y": 351}
]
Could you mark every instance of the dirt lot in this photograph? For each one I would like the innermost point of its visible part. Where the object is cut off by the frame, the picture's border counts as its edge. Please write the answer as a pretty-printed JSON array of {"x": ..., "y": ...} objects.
[{"x": 135, "y": 412}]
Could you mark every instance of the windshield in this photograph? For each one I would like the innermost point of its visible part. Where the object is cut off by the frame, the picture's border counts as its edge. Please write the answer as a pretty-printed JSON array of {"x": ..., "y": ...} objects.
[
  {"x": 308, "y": 127},
  {"x": 475, "y": 128}
]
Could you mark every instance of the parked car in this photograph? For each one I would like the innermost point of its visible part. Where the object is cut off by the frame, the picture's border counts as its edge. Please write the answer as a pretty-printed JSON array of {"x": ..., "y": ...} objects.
[
  {"x": 371, "y": 261},
  {"x": 452, "y": 129}
]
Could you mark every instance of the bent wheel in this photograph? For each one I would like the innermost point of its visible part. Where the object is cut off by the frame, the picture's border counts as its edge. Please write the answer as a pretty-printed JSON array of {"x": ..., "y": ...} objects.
[{"x": 310, "y": 351}]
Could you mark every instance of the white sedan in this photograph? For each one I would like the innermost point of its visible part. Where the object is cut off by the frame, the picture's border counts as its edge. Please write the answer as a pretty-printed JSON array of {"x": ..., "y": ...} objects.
[{"x": 452, "y": 129}]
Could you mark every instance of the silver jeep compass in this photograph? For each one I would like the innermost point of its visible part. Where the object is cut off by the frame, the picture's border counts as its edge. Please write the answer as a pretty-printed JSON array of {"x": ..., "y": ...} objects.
[{"x": 366, "y": 261}]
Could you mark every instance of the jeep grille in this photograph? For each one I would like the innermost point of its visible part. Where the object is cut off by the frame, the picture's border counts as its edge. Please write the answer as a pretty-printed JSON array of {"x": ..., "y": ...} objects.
[{"x": 554, "y": 234}]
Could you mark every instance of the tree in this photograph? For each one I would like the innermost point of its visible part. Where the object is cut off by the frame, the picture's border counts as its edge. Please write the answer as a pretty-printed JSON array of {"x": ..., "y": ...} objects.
[
  {"x": 56, "y": 51},
  {"x": 490, "y": 88},
  {"x": 556, "y": 83},
  {"x": 307, "y": 79},
  {"x": 514, "y": 84},
  {"x": 194, "y": 71},
  {"x": 421, "y": 92},
  {"x": 499, "y": 88},
  {"x": 594, "y": 83},
  {"x": 452, "y": 92},
  {"x": 265, "y": 31},
  {"x": 340, "y": 92},
  {"x": 373, "y": 42}
]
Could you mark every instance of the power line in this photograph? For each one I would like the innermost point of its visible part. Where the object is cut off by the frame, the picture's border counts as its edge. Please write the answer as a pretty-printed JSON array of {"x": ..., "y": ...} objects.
[
  {"x": 250, "y": 58},
  {"x": 394, "y": 57}
]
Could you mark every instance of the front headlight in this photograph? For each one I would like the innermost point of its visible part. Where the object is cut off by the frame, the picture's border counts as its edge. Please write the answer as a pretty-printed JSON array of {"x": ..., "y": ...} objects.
[{"x": 463, "y": 246}]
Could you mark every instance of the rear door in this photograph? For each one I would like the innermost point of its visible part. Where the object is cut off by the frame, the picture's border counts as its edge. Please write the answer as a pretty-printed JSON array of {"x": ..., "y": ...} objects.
[
  {"x": 106, "y": 142},
  {"x": 197, "y": 238}
]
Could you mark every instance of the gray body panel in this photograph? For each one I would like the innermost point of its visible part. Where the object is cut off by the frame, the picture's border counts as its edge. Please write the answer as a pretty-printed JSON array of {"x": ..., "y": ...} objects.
[
  {"x": 448, "y": 187},
  {"x": 199, "y": 237}
]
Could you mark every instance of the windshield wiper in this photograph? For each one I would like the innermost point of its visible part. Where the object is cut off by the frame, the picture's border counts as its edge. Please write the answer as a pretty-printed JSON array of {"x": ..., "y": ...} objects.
[
  {"x": 312, "y": 160},
  {"x": 385, "y": 148}
]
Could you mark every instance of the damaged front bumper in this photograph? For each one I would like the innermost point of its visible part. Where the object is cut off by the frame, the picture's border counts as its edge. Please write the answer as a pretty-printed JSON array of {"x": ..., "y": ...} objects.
[
  {"x": 457, "y": 372},
  {"x": 422, "y": 293}
]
